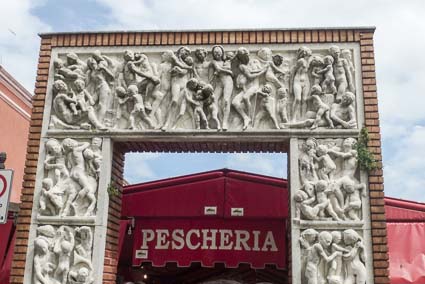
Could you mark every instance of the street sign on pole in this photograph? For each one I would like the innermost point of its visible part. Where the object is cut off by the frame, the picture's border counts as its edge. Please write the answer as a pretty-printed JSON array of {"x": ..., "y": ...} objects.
[{"x": 6, "y": 177}]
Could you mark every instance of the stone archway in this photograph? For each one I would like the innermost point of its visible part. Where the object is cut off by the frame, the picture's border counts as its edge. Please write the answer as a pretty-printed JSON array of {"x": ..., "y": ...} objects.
[{"x": 100, "y": 95}]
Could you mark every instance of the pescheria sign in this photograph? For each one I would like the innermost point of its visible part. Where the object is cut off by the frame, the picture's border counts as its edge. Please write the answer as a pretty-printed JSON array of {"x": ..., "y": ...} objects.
[{"x": 206, "y": 240}]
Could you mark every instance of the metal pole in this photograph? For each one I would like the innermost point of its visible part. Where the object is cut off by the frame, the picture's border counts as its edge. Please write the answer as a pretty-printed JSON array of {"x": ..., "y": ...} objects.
[{"x": 3, "y": 157}]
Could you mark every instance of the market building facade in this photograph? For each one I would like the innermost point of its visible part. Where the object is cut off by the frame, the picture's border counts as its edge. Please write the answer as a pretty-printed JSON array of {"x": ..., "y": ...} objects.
[{"x": 307, "y": 92}]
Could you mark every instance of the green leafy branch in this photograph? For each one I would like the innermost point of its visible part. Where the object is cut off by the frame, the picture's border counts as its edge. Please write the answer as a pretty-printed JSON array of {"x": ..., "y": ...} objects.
[
  {"x": 113, "y": 190},
  {"x": 366, "y": 159}
]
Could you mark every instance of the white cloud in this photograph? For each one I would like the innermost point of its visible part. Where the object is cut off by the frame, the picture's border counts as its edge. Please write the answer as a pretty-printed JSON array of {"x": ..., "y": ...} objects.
[
  {"x": 137, "y": 167},
  {"x": 256, "y": 163},
  {"x": 397, "y": 44},
  {"x": 404, "y": 170},
  {"x": 399, "y": 49},
  {"x": 19, "y": 42}
]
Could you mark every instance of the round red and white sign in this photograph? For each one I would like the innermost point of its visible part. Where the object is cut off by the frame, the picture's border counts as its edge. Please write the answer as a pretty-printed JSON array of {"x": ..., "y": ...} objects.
[{"x": 3, "y": 185}]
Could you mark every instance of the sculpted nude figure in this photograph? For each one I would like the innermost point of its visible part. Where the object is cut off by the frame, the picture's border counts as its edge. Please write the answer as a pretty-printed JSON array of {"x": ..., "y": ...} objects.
[
  {"x": 354, "y": 260},
  {"x": 62, "y": 102},
  {"x": 335, "y": 271},
  {"x": 65, "y": 73},
  {"x": 138, "y": 109},
  {"x": 201, "y": 65},
  {"x": 99, "y": 75},
  {"x": 93, "y": 157},
  {"x": 82, "y": 276},
  {"x": 63, "y": 249},
  {"x": 74, "y": 151},
  {"x": 267, "y": 106},
  {"x": 85, "y": 102},
  {"x": 304, "y": 207},
  {"x": 195, "y": 97},
  {"x": 316, "y": 65},
  {"x": 83, "y": 249},
  {"x": 323, "y": 110},
  {"x": 150, "y": 81},
  {"x": 55, "y": 161},
  {"x": 343, "y": 79},
  {"x": 353, "y": 201},
  {"x": 322, "y": 198},
  {"x": 74, "y": 63},
  {"x": 349, "y": 156},
  {"x": 42, "y": 266},
  {"x": 223, "y": 77},
  {"x": 328, "y": 84},
  {"x": 179, "y": 76},
  {"x": 123, "y": 100},
  {"x": 50, "y": 199},
  {"x": 300, "y": 84},
  {"x": 249, "y": 82},
  {"x": 163, "y": 72},
  {"x": 316, "y": 251},
  {"x": 205, "y": 95},
  {"x": 129, "y": 75},
  {"x": 346, "y": 54},
  {"x": 282, "y": 105},
  {"x": 342, "y": 113},
  {"x": 273, "y": 63},
  {"x": 327, "y": 166},
  {"x": 306, "y": 161}
]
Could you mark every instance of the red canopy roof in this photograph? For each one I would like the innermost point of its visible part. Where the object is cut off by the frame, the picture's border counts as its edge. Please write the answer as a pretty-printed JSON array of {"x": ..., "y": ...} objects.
[
  {"x": 406, "y": 235},
  {"x": 187, "y": 196},
  {"x": 405, "y": 219},
  {"x": 183, "y": 201}
]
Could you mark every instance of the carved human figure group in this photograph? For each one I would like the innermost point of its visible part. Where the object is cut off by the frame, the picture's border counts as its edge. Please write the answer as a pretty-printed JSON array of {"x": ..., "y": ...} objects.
[
  {"x": 63, "y": 255},
  {"x": 330, "y": 189},
  {"x": 336, "y": 257},
  {"x": 198, "y": 89},
  {"x": 71, "y": 177}
]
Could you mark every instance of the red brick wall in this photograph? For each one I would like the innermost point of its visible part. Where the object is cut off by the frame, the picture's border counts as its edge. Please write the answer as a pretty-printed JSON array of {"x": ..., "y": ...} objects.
[{"x": 24, "y": 219}]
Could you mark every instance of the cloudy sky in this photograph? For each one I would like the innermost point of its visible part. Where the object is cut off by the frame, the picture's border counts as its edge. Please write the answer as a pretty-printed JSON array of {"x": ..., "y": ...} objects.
[{"x": 399, "y": 51}]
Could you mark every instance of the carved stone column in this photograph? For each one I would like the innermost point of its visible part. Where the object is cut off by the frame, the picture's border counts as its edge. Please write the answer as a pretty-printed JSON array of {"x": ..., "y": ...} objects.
[
  {"x": 330, "y": 224},
  {"x": 69, "y": 219}
]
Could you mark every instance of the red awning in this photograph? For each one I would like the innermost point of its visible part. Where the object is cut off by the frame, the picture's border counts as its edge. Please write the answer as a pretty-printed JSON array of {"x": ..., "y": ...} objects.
[
  {"x": 244, "y": 214},
  {"x": 406, "y": 245},
  {"x": 260, "y": 196},
  {"x": 7, "y": 240},
  {"x": 399, "y": 210},
  {"x": 406, "y": 242}
]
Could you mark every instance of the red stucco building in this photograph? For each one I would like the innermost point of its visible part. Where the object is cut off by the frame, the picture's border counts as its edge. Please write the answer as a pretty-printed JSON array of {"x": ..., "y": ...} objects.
[{"x": 15, "y": 111}]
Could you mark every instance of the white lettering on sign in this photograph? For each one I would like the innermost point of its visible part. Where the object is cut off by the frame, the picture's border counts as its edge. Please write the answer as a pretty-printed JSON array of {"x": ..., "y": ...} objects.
[
  {"x": 178, "y": 239},
  {"x": 226, "y": 243},
  {"x": 147, "y": 236},
  {"x": 189, "y": 239},
  {"x": 269, "y": 242},
  {"x": 5, "y": 187},
  {"x": 209, "y": 239}
]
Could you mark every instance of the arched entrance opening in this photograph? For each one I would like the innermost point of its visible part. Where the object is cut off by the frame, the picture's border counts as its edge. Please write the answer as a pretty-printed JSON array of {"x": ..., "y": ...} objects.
[{"x": 220, "y": 225}]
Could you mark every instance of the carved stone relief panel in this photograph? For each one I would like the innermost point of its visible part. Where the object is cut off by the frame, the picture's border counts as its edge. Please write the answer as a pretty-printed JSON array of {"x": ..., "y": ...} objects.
[
  {"x": 330, "y": 181},
  {"x": 71, "y": 175},
  {"x": 63, "y": 254},
  {"x": 333, "y": 257},
  {"x": 232, "y": 88}
]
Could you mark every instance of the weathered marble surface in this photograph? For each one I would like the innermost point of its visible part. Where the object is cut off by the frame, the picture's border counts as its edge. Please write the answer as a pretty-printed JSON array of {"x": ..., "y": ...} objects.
[
  {"x": 71, "y": 175},
  {"x": 329, "y": 179},
  {"x": 232, "y": 88},
  {"x": 63, "y": 255},
  {"x": 332, "y": 257}
]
